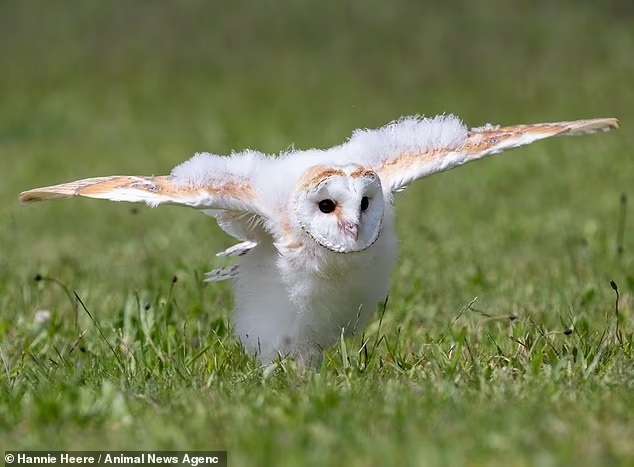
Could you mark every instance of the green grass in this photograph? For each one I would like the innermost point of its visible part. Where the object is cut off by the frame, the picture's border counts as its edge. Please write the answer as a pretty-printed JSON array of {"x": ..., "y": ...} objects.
[{"x": 530, "y": 373}]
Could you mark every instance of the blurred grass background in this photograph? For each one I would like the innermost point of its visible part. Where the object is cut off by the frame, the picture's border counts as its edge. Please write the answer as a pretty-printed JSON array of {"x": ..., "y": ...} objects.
[{"x": 98, "y": 88}]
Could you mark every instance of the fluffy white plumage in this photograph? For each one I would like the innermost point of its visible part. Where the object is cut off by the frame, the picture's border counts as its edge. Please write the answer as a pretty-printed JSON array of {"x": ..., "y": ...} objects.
[
  {"x": 316, "y": 227},
  {"x": 365, "y": 147}
]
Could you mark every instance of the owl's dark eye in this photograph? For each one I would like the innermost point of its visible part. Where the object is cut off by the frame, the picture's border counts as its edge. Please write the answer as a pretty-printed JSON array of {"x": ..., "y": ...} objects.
[
  {"x": 327, "y": 206},
  {"x": 365, "y": 202}
]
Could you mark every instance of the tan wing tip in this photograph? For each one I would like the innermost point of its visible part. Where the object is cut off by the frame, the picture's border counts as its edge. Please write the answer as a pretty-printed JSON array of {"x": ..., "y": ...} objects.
[
  {"x": 65, "y": 190},
  {"x": 42, "y": 194},
  {"x": 594, "y": 125},
  {"x": 614, "y": 123}
]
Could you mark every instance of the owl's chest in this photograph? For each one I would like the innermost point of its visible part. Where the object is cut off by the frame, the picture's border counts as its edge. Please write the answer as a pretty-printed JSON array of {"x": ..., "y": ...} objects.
[{"x": 318, "y": 280}]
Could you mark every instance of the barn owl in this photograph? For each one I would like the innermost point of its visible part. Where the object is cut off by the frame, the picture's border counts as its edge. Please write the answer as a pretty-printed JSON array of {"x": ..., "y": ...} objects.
[{"x": 315, "y": 227}]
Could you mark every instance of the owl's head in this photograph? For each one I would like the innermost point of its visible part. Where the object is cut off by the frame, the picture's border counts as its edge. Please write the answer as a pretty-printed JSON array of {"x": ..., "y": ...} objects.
[{"x": 340, "y": 207}]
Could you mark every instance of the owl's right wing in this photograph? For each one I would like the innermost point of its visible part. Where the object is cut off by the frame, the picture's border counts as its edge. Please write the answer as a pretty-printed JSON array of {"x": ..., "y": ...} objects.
[
  {"x": 228, "y": 194},
  {"x": 222, "y": 187},
  {"x": 206, "y": 182}
]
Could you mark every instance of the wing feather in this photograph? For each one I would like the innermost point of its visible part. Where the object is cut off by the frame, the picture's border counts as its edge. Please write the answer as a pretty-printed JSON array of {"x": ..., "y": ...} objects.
[
  {"x": 231, "y": 194},
  {"x": 222, "y": 274},
  {"x": 239, "y": 249}
]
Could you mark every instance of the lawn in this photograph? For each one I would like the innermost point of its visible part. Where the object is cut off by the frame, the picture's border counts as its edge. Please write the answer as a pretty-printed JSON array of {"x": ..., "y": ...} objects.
[{"x": 499, "y": 343}]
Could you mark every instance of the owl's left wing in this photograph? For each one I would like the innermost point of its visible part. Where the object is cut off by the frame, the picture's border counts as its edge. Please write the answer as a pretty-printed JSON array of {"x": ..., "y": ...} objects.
[{"x": 446, "y": 143}]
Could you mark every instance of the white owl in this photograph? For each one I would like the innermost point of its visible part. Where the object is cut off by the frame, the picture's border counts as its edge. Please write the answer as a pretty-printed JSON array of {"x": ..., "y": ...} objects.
[{"x": 316, "y": 227}]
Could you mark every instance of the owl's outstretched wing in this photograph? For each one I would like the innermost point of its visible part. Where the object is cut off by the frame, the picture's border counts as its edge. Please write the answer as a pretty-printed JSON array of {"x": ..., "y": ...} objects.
[
  {"x": 446, "y": 143},
  {"x": 206, "y": 181},
  {"x": 235, "y": 194}
]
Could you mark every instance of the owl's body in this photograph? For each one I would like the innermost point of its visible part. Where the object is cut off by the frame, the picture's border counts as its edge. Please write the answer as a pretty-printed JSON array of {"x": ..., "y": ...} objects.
[
  {"x": 316, "y": 227},
  {"x": 299, "y": 302},
  {"x": 293, "y": 296}
]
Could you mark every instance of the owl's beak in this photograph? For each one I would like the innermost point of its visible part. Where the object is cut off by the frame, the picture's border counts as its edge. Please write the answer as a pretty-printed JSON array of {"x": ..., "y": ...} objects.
[{"x": 350, "y": 229}]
